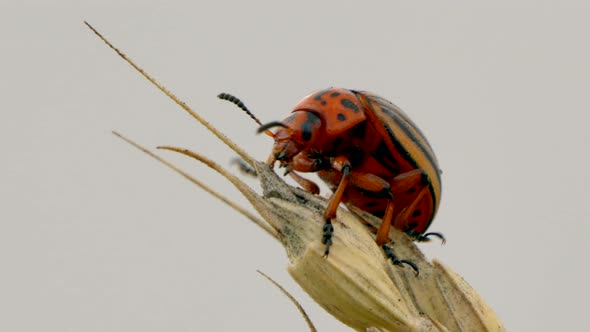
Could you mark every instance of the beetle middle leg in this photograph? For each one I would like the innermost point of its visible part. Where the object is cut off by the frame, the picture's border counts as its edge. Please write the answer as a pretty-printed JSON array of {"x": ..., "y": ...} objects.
[
  {"x": 368, "y": 183},
  {"x": 374, "y": 186}
]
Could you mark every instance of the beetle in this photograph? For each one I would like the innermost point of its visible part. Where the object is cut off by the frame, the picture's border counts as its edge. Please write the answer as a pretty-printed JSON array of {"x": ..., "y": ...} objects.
[{"x": 370, "y": 154}]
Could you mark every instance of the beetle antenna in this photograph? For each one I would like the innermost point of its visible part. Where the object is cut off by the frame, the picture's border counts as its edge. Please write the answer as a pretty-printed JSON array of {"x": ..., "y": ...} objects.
[{"x": 236, "y": 101}]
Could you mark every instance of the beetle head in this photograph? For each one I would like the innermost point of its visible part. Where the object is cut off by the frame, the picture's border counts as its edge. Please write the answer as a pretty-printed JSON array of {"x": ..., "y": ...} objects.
[{"x": 296, "y": 133}]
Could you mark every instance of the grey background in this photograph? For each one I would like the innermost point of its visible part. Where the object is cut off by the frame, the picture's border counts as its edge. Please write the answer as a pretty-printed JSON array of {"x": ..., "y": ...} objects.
[{"x": 95, "y": 236}]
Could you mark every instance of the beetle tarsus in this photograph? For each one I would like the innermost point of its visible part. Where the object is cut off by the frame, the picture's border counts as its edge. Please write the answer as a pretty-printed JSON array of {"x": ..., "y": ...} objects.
[
  {"x": 399, "y": 262},
  {"x": 327, "y": 233}
]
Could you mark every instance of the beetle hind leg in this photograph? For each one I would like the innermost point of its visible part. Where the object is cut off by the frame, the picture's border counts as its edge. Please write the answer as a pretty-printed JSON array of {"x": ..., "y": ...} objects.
[{"x": 403, "y": 217}]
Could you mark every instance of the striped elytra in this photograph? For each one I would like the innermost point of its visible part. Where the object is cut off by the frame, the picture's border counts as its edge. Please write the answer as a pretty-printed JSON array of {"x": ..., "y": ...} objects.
[
  {"x": 403, "y": 136},
  {"x": 369, "y": 152}
]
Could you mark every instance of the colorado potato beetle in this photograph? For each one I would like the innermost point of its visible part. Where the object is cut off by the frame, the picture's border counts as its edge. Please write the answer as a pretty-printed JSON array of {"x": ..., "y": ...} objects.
[{"x": 370, "y": 154}]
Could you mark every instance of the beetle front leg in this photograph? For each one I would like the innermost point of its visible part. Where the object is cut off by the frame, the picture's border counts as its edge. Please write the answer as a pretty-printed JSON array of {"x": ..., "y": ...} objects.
[
  {"x": 304, "y": 163},
  {"x": 306, "y": 184},
  {"x": 342, "y": 165}
]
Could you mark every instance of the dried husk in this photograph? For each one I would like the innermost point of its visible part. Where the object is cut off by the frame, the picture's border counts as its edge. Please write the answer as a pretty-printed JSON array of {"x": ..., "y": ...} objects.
[{"x": 356, "y": 283}]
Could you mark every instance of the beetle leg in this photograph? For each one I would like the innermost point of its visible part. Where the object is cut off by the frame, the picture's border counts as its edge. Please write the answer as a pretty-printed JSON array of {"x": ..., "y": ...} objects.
[
  {"x": 302, "y": 163},
  {"x": 376, "y": 186},
  {"x": 407, "y": 180},
  {"x": 308, "y": 163},
  {"x": 306, "y": 184},
  {"x": 371, "y": 184},
  {"x": 403, "y": 216},
  {"x": 342, "y": 165},
  {"x": 400, "y": 183},
  {"x": 383, "y": 233}
]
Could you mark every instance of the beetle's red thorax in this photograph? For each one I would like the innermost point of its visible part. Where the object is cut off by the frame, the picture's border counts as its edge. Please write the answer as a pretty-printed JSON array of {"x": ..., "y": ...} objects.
[{"x": 339, "y": 109}]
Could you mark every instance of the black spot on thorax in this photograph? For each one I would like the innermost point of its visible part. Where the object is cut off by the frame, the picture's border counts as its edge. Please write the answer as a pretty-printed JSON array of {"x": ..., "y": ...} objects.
[
  {"x": 350, "y": 105},
  {"x": 307, "y": 126},
  {"x": 318, "y": 96}
]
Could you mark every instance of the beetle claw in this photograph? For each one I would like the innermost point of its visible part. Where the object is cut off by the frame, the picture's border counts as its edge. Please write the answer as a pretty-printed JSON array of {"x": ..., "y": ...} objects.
[
  {"x": 426, "y": 237},
  {"x": 399, "y": 262},
  {"x": 410, "y": 263}
]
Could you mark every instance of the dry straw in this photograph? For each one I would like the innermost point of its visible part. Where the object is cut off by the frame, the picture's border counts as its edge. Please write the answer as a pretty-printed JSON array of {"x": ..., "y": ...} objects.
[{"x": 356, "y": 283}]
